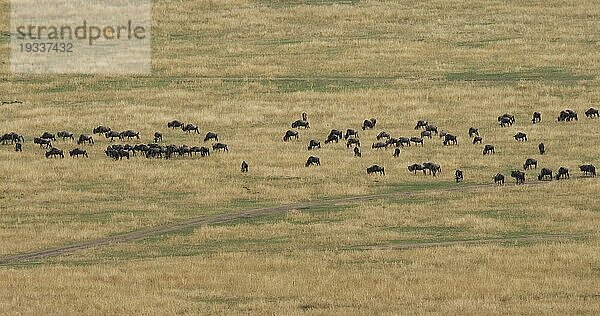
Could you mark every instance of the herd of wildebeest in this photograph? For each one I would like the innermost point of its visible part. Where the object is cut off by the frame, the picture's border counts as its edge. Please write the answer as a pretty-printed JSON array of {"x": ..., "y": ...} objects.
[{"x": 383, "y": 140}]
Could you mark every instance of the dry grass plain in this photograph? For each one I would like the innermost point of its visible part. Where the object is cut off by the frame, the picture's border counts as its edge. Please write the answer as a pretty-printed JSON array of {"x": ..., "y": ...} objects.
[{"x": 247, "y": 69}]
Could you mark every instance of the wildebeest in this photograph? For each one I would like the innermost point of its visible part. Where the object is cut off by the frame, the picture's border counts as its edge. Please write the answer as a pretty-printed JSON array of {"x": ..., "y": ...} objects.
[
  {"x": 519, "y": 176},
  {"x": 43, "y": 142},
  {"x": 314, "y": 144},
  {"x": 383, "y": 134},
  {"x": 442, "y": 134},
  {"x": 175, "y": 124},
  {"x": 312, "y": 160},
  {"x": 473, "y": 131},
  {"x": 396, "y": 152},
  {"x": 506, "y": 119},
  {"x": 520, "y": 137},
  {"x": 402, "y": 141},
  {"x": 85, "y": 138},
  {"x": 379, "y": 145},
  {"x": 357, "y": 152},
  {"x": 117, "y": 153},
  {"x": 432, "y": 129},
  {"x": 64, "y": 135},
  {"x": 332, "y": 138},
  {"x": 129, "y": 134},
  {"x": 304, "y": 116},
  {"x": 369, "y": 124},
  {"x": 432, "y": 167},
  {"x": 244, "y": 166},
  {"x": 101, "y": 130},
  {"x": 489, "y": 149},
  {"x": 211, "y": 135},
  {"x": 55, "y": 152},
  {"x": 499, "y": 179},
  {"x": 450, "y": 139},
  {"x": 300, "y": 123},
  {"x": 425, "y": 134},
  {"x": 545, "y": 174},
  {"x": 588, "y": 170},
  {"x": 529, "y": 163},
  {"x": 477, "y": 139},
  {"x": 416, "y": 167},
  {"x": 189, "y": 128},
  {"x": 152, "y": 152},
  {"x": 18, "y": 147},
  {"x": 562, "y": 173},
  {"x": 417, "y": 140},
  {"x": 289, "y": 134},
  {"x": 11, "y": 137},
  {"x": 591, "y": 112},
  {"x": 458, "y": 175},
  {"x": 337, "y": 133},
  {"x": 158, "y": 137},
  {"x": 537, "y": 117},
  {"x": 220, "y": 146},
  {"x": 47, "y": 135},
  {"x": 353, "y": 142},
  {"x": 421, "y": 123},
  {"x": 350, "y": 132},
  {"x": 376, "y": 169},
  {"x": 202, "y": 150},
  {"x": 542, "y": 148},
  {"x": 112, "y": 135},
  {"x": 567, "y": 115},
  {"x": 78, "y": 152}
]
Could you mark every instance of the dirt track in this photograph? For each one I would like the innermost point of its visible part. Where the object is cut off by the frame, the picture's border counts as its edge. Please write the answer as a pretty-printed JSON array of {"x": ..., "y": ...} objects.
[{"x": 256, "y": 212}]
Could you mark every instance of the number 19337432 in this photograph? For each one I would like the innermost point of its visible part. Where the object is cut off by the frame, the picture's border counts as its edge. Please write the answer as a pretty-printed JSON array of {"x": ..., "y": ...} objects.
[{"x": 49, "y": 47}]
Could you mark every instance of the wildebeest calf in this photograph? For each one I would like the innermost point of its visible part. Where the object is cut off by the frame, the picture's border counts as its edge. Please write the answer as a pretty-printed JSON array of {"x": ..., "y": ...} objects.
[
  {"x": 312, "y": 160},
  {"x": 376, "y": 169}
]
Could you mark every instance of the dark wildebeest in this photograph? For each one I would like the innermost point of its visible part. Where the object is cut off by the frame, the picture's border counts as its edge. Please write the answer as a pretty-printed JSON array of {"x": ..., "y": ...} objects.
[
  {"x": 304, "y": 116},
  {"x": 47, "y": 135},
  {"x": 211, "y": 135},
  {"x": 376, "y": 169},
  {"x": 151, "y": 153},
  {"x": 510, "y": 117},
  {"x": 450, "y": 139},
  {"x": 588, "y": 170},
  {"x": 101, "y": 130},
  {"x": 369, "y": 124},
  {"x": 383, "y": 134},
  {"x": 189, "y": 128},
  {"x": 537, "y": 117},
  {"x": 499, "y": 179},
  {"x": 55, "y": 152},
  {"x": 314, "y": 144},
  {"x": 85, "y": 138},
  {"x": 421, "y": 123},
  {"x": 567, "y": 115},
  {"x": 158, "y": 137},
  {"x": 332, "y": 138},
  {"x": 64, "y": 135},
  {"x": 357, "y": 152},
  {"x": 353, "y": 142},
  {"x": 591, "y": 112},
  {"x": 312, "y": 160},
  {"x": 477, "y": 139},
  {"x": 43, "y": 142},
  {"x": 416, "y": 167},
  {"x": 396, "y": 152},
  {"x": 458, "y": 175},
  {"x": 11, "y": 137},
  {"x": 520, "y": 137},
  {"x": 289, "y": 134},
  {"x": 129, "y": 134},
  {"x": 220, "y": 146},
  {"x": 351, "y": 132},
  {"x": 300, "y": 123},
  {"x": 519, "y": 176},
  {"x": 473, "y": 131},
  {"x": 337, "y": 133},
  {"x": 18, "y": 147},
  {"x": 417, "y": 140},
  {"x": 442, "y": 134},
  {"x": 78, "y": 152},
  {"x": 530, "y": 162},
  {"x": 505, "y": 121},
  {"x": 426, "y": 134},
  {"x": 112, "y": 135},
  {"x": 432, "y": 167},
  {"x": 403, "y": 141},
  {"x": 175, "y": 124},
  {"x": 204, "y": 151},
  {"x": 562, "y": 173},
  {"x": 244, "y": 167},
  {"x": 545, "y": 174},
  {"x": 542, "y": 148},
  {"x": 379, "y": 145},
  {"x": 432, "y": 129},
  {"x": 489, "y": 149}
]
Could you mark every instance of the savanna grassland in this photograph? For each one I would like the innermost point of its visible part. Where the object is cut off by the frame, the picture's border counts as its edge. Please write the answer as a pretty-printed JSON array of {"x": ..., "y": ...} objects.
[{"x": 246, "y": 70}]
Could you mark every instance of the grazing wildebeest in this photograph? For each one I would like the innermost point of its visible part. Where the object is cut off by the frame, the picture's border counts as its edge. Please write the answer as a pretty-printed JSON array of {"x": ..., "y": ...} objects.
[
  {"x": 477, "y": 139},
  {"x": 220, "y": 146},
  {"x": 421, "y": 123},
  {"x": 18, "y": 147},
  {"x": 78, "y": 152},
  {"x": 112, "y": 135},
  {"x": 152, "y": 152},
  {"x": 499, "y": 179},
  {"x": 379, "y": 145},
  {"x": 489, "y": 149},
  {"x": 417, "y": 140},
  {"x": 376, "y": 169},
  {"x": 12, "y": 137},
  {"x": 591, "y": 112},
  {"x": 351, "y": 132},
  {"x": 101, "y": 130},
  {"x": 337, "y": 133},
  {"x": 332, "y": 138},
  {"x": 520, "y": 137},
  {"x": 353, "y": 142},
  {"x": 442, "y": 134},
  {"x": 369, "y": 124},
  {"x": 396, "y": 152},
  {"x": 43, "y": 142},
  {"x": 562, "y": 173},
  {"x": 158, "y": 137},
  {"x": 530, "y": 162},
  {"x": 117, "y": 153},
  {"x": 542, "y": 148},
  {"x": 519, "y": 176},
  {"x": 426, "y": 134},
  {"x": 537, "y": 117},
  {"x": 450, "y": 139},
  {"x": 545, "y": 174},
  {"x": 473, "y": 131},
  {"x": 304, "y": 116},
  {"x": 55, "y": 152},
  {"x": 129, "y": 134},
  {"x": 244, "y": 166},
  {"x": 403, "y": 141},
  {"x": 203, "y": 151},
  {"x": 312, "y": 160},
  {"x": 417, "y": 167},
  {"x": 383, "y": 134},
  {"x": 357, "y": 152},
  {"x": 314, "y": 144},
  {"x": 300, "y": 123},
  {"x": 505, "y": 121},
  {"x": 432, "y": 167},
  {"x": 190, "y": 127},
  {"x": 211, "y": 135},
  {"x": 588, "y": 170},
  {"x": 567, "y": 115},
  {"x": 85, "y": 138},
  {"x": 289, "y": 134},
  {"x": 47, "y": 135},
  {"x": 458, "y": 175},
  {"x": 432, "y": 129},
  {"x": 64, "y": 135},
  {"x": 175, "y": 124}
]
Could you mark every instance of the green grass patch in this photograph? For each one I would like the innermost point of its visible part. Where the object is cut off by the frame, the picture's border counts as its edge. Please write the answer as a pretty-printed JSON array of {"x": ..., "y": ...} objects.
[{"x": 545, "y": 74}]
